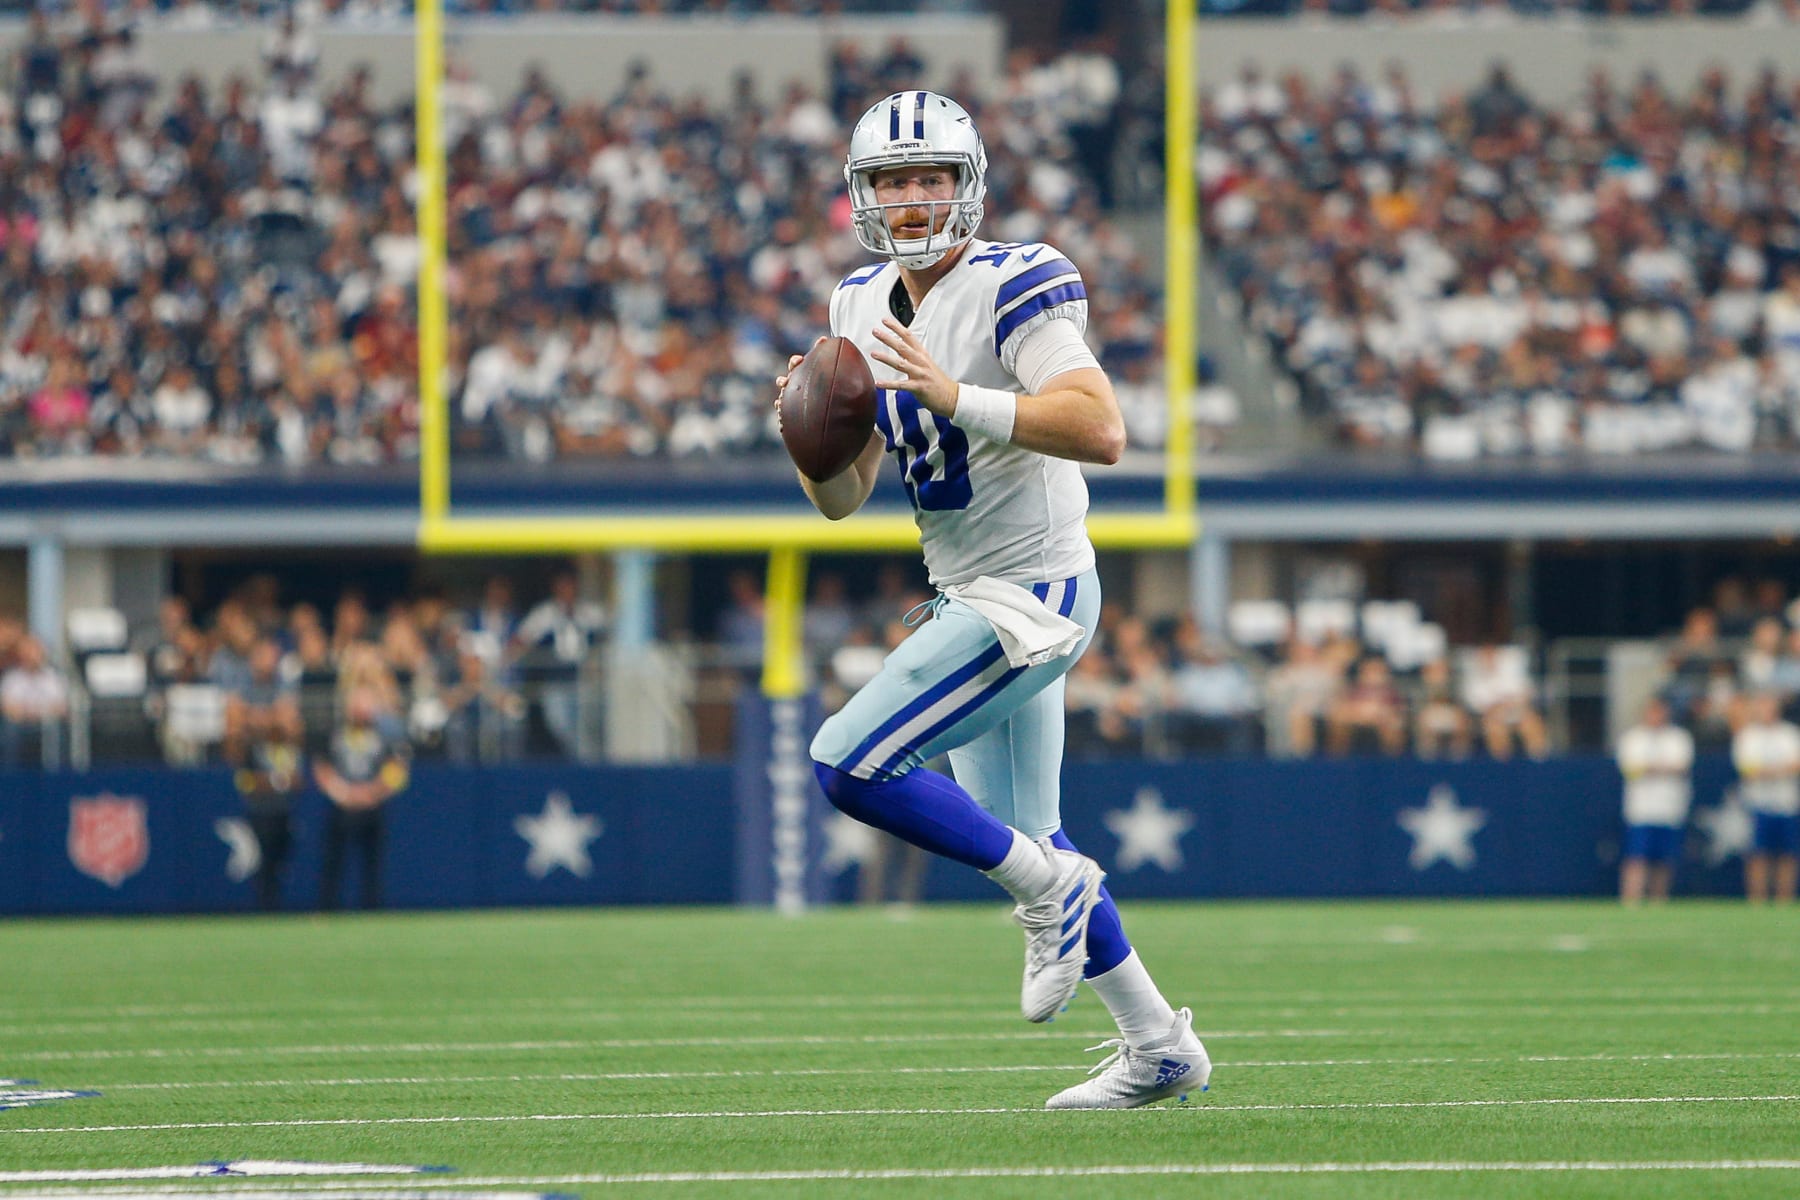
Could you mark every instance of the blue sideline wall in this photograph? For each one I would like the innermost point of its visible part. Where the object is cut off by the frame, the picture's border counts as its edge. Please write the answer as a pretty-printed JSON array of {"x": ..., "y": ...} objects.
[{"x": 618, "y": 835}]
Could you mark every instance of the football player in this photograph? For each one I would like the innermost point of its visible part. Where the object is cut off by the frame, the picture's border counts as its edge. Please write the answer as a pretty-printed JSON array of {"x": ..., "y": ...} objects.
[{"x": 990, "y": 399}]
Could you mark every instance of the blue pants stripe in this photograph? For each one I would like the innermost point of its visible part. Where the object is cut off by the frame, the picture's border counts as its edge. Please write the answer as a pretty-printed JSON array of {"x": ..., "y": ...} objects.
[
  {"x": 931, "y": 696},
  {"x": 948, "y": 719}
]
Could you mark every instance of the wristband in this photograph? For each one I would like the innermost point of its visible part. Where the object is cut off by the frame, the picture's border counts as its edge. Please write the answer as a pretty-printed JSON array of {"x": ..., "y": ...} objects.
[{"x": 986, "y": 411}]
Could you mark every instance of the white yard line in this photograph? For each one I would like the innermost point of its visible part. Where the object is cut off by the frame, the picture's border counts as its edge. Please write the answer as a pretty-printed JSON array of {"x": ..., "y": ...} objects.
[
  {"x": 31, "y": 1019},
  {"x": 762, "y": 1114},
  {"x": 922, "y": 1009},
  {"x": 27, "y": 1019},
  {"x": 236, "y": 1169},
  {"x": 609, "y": 1076},
  {"x": 623, "y": 1044},
  {"x": 451, "y": 1186}
]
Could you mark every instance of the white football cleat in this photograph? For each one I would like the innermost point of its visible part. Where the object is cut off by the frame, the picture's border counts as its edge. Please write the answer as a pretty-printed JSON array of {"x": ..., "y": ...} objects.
[
  {"x": 1129, "y": 1078},
  {"x": 1056, "y": 927}
]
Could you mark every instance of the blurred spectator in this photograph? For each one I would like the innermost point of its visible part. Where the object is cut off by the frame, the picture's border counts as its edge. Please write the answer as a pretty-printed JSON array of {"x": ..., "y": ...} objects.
[
  {"x": 1656, "y": 759},
  {"x": 1143, "y": 694},
  {"x": 1757, "y": 665},
  {"x": 1497, "y": 689},
  {"x": 568, "y": 628},
  {"x": 1690, "y": 665},
  {"x": 34, "y": 699},
  {"x": 829, "y": 617},
  {"x": 228, "y": 667},
  {"x": 1766, "y": 752},
  {"x": 489, "y": 628},
  {"x": 265, "y": 709},
  {"x": 1096, "y": 728},
  {"x": 172, "y": 648},
  {"x": 484, "y": 716},
  {"x": 1369, "y": 716},
  {"x": 263, "y": 738},
  {"x": 1301, "y": 690},
  {"x": 1212, "y": 699},
  {"x": 741, "y": 624},
  {"x": 351, "y": 625},
  {"x": 1442, "y": 727},
  {"x": 367, "y": 767}
]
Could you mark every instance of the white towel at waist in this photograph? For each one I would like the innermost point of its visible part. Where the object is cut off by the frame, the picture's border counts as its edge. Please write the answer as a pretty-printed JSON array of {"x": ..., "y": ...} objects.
[{"x": 1028, "y": 631}]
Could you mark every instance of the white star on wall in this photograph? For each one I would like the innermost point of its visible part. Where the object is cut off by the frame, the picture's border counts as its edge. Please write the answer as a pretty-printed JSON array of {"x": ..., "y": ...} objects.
[
  {"x": 1442, "y": 830},
  {"x": 1730, "y": 829},
  {"x": 246, "y": 851},
  {"x": 848, "y": 842},
  {"x": 559, "y": 838},
  {"x": 1149, "y": 832}
]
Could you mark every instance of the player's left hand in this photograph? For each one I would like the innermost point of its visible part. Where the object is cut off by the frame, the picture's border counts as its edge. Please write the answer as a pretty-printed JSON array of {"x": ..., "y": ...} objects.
[{"x": 920, "y": 375}]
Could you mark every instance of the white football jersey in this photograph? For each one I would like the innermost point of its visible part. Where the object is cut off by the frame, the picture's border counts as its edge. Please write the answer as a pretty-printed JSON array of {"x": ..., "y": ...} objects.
[
  {"x": 1769, "y": 758},
  {"x": 983, "y": 508},
  {"x": 1656, "y": 763}
]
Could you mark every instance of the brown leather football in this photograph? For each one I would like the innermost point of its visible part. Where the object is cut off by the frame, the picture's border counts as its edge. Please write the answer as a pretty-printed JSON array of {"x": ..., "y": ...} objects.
[{"x": 828, "y": 409}]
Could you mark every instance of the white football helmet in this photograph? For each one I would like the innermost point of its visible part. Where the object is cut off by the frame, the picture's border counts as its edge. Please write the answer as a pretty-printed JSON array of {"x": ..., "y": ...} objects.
[{"x": 912, "y": 128}]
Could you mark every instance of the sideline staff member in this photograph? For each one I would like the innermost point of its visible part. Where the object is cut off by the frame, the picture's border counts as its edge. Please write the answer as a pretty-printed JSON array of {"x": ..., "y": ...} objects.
[{"x": 367, "y": 768}]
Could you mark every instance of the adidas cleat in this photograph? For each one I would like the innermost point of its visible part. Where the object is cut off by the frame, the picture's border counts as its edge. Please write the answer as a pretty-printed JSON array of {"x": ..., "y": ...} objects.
[
  {"x": 1056, "y": 927},
  {"x": 1130, "y": 1078}
]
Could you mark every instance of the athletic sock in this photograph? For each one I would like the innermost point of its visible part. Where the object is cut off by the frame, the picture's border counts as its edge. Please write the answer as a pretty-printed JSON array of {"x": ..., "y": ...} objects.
[
  {"x": 1107, "y": 944},
  {"x": 924, "y": 808},
  {"x": 1130, "y": 995},
  {"x": 1026, "y": 871}
]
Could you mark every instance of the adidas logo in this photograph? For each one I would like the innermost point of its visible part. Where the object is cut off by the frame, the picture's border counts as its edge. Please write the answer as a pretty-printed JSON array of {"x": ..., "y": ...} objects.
[{"x": 1171, "y": 1069}]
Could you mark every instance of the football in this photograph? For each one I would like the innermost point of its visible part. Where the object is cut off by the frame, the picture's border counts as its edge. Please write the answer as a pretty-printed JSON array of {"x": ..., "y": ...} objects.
[{"x": 828, "y": 409}]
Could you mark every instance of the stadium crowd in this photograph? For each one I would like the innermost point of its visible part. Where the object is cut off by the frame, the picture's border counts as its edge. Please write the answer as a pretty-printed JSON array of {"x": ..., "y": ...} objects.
[
  {"x": 1481, "y": 274},
  {"x": 486, "y": 681},
  {"x": 1741, "y": 648},
  {"x": 483, "y": 677},
  {"x": 229, "y": 275}
]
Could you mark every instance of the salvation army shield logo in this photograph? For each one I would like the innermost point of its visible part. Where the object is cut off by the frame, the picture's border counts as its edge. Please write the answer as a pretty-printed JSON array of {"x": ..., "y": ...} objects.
[{"x": 109, "y": 837}]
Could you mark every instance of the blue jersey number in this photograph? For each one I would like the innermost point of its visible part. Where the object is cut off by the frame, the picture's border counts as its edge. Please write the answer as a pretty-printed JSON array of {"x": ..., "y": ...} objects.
[
  {"x": 933, "y": 453},
  {"x": 995, "y": 255}
]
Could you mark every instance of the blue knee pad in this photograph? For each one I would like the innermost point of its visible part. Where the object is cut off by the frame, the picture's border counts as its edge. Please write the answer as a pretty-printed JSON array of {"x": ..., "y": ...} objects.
[
  {"x": 1107, "y": 944},
  {"x": 924, "y": 808}
]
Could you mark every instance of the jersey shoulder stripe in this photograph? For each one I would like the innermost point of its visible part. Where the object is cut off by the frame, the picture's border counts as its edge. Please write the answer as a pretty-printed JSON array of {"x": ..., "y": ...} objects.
[
  {"x": 1015, "y": 288},
  {"x": 1043, "y": 284},
  {"x": 1034, "y": 305}
]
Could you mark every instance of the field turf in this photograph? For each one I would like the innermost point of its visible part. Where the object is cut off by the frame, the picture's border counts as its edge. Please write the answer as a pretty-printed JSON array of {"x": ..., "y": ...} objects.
[{"x": 1363, "y": 1050}]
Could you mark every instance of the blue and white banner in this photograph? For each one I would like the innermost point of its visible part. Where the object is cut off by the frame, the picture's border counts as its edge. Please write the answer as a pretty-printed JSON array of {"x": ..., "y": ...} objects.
[{"x": 160, "y": 840}]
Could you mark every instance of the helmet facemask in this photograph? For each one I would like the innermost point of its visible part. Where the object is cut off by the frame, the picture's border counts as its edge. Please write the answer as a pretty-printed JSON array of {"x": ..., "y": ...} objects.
[{"x": 962, "y": 212}]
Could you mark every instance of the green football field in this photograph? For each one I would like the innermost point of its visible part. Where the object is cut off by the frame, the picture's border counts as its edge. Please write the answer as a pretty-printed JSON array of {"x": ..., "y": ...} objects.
[{"x": 1362, "y": 1050}]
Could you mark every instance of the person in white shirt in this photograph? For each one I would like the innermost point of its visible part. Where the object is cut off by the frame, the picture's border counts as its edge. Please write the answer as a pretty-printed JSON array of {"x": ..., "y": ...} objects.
[
  {"x": 567, "y": 627},
  {"x": 1656, "y": 758},
  {"x": 1766, "y": 752},
  {"x": 33, "y": 701}
]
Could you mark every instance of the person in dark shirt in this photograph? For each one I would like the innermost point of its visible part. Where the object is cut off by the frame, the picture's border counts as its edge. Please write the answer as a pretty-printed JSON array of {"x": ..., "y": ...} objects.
[
  {"x": 367, "y": 767},
  {"x": 267, "y": 779}
]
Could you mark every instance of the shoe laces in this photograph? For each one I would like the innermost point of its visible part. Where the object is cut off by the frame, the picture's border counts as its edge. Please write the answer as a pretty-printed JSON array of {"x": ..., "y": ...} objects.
[
  {"x": 1036, "y": 919},
  {"x": 1120, "y": 1050}
]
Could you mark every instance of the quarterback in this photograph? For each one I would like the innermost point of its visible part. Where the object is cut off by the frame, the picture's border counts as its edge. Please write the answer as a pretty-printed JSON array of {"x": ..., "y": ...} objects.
[{"x": 990, "y": 400}]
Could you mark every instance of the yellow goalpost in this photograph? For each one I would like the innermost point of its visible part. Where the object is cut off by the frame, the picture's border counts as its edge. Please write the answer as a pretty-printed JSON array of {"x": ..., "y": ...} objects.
[{"x": 786, "y": 537}]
